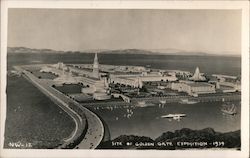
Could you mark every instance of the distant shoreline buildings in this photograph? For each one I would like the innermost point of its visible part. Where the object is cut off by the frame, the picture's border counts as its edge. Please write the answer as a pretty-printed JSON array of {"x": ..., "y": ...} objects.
[{"x": 97, "y": 78}]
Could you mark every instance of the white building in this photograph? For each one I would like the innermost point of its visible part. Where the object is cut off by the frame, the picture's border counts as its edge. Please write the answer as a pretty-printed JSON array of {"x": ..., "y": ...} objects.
[
  {"x": 193, "y": 88},
  {"x": 136, "y": 80},
  {"x": 232, "y": 83},
  {"x": 94, "y": 84},
  {"x": 126, "y": 80}
]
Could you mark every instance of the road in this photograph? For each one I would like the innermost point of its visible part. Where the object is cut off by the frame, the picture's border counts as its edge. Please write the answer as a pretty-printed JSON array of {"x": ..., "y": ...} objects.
[{"x": 86, "y": 121}]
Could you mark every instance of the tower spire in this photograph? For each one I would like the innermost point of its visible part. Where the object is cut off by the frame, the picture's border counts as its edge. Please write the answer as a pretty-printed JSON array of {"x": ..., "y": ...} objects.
[
  {"x": 96, "y": 67},
  {"x": 197, "y": 75},
  {"x": 96, "y": 59}
]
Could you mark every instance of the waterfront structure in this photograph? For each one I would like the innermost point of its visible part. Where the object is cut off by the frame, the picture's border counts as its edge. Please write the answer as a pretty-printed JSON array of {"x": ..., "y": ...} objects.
[
  {"x": 197, "y": 76},
  {"x": 193, "y": 88},
  {"x": 97, "y": 86},
  {"x": 229, "y": 86},
  {"x": 111, "y": 68},
  {"x": 225, "y": 77},
  {"x": 136, "y": 80},
  {"x": 227, "y": 83}
]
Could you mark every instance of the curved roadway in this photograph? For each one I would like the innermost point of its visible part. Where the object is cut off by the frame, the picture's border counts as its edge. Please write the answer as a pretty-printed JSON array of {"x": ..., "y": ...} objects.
[{"x": 95, "y": 129}]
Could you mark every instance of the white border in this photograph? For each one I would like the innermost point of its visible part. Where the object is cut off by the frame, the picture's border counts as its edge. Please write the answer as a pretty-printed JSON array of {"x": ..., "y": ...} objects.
[{"x": 243, "y": 5}]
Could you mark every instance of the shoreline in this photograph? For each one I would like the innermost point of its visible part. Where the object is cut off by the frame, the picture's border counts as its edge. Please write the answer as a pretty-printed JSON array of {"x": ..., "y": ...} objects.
[{"x": 175, "y": 99}]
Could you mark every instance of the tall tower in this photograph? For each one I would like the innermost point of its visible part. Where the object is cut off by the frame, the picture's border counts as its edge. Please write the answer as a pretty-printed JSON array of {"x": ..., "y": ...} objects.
[
  {"x": 197, "y": 75},
  {"x": 96, "y": 67}
]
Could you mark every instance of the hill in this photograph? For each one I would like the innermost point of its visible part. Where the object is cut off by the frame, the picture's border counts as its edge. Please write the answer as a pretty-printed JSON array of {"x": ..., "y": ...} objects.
[
  {"x": 179, "y": 139},
  {"x": 168, "y": 51}
]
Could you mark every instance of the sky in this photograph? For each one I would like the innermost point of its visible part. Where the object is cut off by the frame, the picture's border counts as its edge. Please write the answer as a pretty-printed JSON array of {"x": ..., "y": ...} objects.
[{"x": 84, "y": 29}]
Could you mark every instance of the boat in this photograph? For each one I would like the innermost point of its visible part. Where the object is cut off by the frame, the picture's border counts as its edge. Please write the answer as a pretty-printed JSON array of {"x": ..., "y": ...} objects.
[
  {"x": 186, "y": 101},
  {"x": 228, "y": 108}
]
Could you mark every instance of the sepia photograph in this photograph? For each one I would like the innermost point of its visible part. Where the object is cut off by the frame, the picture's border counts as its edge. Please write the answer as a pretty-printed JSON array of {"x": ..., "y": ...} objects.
[{"x": 127, "y": 79}]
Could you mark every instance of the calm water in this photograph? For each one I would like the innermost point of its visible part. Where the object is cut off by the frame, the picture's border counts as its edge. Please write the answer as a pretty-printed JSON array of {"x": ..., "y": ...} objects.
[
  {"x": 207, "y": 64},
  {"x": 32, "y": 117},
  {"x": 146, "y": 121}
]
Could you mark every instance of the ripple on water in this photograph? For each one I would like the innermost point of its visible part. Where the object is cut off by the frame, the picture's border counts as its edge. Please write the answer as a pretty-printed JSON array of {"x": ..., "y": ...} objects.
[{"x": 33, "y": 117}]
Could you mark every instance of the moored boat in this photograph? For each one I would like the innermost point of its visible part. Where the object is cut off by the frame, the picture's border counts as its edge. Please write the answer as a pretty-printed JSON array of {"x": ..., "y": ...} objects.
[
  {"x": 186, "y": 101},
  {"x": 228, "y": 108},
  {"x": 143, "y": 104}
]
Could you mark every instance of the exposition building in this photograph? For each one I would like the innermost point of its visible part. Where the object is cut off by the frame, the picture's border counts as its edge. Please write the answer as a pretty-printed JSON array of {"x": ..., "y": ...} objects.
[
  {"x": 94, "y": 84},
  {"x": 193, "y": 88},
  {"x": 136, "y": 80}
]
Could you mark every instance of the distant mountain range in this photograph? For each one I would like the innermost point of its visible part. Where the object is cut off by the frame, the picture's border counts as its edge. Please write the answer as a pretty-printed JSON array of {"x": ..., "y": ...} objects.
[
  {"x": 169, "y": 51},
  {"x": 208, "y": 135},
  {"x": 31, "y": 50}
]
